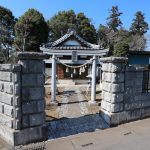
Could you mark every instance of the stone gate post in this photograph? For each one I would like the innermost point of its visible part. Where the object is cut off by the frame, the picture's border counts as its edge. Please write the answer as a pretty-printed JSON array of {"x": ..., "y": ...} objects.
[
  {"x": 32, "y": 98},
  {"x": 22, "y": 105},
  {"x": 113, "y": 82}
]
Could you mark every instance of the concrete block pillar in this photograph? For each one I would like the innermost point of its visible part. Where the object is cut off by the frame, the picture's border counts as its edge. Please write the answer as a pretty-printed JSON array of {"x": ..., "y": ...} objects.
[
  {"x": 22, "y": 105},
  {"x": 32, "y": 98},
  {"x": 113, "y": 82}
]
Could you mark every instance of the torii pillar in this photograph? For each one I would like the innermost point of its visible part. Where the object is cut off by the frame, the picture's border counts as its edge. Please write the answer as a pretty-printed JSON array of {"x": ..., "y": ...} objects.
[
  {"x": 93, "y": 84},
  {"x": 53, "y": 81}
]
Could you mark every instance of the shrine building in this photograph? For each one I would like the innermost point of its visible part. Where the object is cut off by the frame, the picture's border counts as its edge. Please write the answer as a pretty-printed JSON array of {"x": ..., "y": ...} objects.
[{"x": 73, "y": 57}]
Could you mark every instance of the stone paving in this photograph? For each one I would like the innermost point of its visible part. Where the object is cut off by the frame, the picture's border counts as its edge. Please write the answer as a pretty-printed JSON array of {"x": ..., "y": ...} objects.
[
  {"x": 75, "y": 115},
  {"x": 73, "y": 103},
  {"x": 63, "y": 109}
]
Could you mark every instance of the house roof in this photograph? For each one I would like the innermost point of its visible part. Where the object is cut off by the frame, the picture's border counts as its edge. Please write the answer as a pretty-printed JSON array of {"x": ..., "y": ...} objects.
[
  {"x": 147, "y": 53},
  {"x": 71, "y": 33}
]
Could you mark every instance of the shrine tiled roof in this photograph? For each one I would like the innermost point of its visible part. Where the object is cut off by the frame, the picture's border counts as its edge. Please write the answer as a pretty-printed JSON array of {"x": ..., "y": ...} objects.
[
  {"x": 71, "y": 48},
  {"x": 84, "y": 44}
]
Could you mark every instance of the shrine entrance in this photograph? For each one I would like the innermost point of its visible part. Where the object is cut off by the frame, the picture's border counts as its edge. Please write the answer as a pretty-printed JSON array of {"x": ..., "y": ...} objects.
[
  {"x": 77, "y": 69},
  {"x": 72, "y": 58}
]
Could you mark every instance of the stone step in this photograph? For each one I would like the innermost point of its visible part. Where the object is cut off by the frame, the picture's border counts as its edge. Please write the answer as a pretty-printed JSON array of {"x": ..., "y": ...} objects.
[
  {"x": 66, "y": 127},
  {"x": 70, "y": 82}
]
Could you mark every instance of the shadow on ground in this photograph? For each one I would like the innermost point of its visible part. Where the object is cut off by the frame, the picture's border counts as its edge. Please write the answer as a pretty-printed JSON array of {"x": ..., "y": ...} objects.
[{"x": 70, "y": 126}]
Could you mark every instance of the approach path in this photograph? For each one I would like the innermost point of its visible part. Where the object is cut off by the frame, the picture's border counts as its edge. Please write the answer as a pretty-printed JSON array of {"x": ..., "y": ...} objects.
[{"x": 75, "y": 115}]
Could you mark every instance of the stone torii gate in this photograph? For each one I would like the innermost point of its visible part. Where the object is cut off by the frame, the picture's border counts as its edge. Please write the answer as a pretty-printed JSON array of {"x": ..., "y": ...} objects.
[
  {"x": 95, "y": 56},
  {"x": 53, "y": 83}
]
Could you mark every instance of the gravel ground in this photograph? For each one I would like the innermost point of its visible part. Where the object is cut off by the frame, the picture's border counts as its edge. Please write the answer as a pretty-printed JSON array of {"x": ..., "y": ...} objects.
[{"x": 72, "y": 102}]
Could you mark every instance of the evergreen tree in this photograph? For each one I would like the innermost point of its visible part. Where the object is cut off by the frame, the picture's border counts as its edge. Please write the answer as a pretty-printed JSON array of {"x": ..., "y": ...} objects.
[
  {"x": 113, "y": 20},
  {"x": 121, "y": 49},
  {"x": 7, "y": 22},
  {"x": 123, "y": 35},
  {"x": 108, "y": 35},
  {"x": 31, "y": 31},
  {"x": 85, "y": 29},
  {"x": 139, "y": 26},
  {"x": 61, "y": 22}
]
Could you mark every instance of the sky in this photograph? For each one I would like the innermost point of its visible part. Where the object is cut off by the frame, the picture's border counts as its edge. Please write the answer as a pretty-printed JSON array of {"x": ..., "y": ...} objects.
[{"x": 96, "y": 10}]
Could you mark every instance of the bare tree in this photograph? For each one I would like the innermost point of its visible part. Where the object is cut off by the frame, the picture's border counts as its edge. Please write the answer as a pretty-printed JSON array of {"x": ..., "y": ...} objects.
[
  {"x": 147, "y": 41},
  {"x": 138, "y": 43}
]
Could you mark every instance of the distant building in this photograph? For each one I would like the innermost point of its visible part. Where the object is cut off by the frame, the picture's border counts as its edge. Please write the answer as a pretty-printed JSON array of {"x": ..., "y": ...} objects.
[{"x": 139, "y": 58}]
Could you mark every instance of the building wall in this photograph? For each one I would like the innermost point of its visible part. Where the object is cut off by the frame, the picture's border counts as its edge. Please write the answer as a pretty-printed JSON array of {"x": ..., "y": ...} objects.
[
  {"x": 122, "y": 97},
  {"x": 139, "y": 59}
]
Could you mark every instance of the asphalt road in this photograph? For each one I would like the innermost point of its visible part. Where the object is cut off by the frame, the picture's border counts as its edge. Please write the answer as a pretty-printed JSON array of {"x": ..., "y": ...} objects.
[{"x": 130, "y": 136}]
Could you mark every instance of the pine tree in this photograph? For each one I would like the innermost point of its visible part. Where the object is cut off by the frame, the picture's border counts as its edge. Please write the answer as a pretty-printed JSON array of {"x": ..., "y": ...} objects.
[
  {"x": 113, "y": 20},
  {"x": 139, "y": 25},
  {"x": 85, "y": 28},
  {"x": 63, "y": 20},
  {"x": 7, "y": 22},
  {"x": 31, "y": 31},
  {"x": 121, "y": 49}
]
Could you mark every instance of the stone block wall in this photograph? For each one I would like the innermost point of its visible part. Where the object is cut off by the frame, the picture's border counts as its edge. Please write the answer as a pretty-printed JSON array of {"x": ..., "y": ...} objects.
[
  {"x": 10, "y": 96},
  {"x": 32, "y": 82},
  {"x": 10, "y": 100},
  {"x": 122, "y": 96},
  {"x": 22, "y": 105}
]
